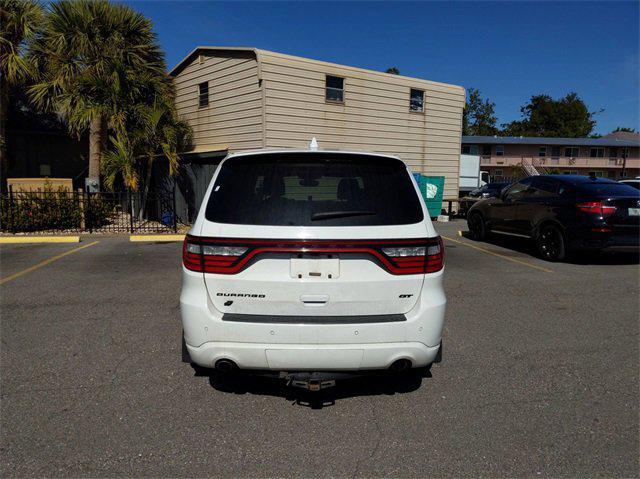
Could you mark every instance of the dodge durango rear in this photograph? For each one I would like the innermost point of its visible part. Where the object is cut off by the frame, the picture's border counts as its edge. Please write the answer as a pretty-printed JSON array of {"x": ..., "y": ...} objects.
[{"x": 313, "y": 261}]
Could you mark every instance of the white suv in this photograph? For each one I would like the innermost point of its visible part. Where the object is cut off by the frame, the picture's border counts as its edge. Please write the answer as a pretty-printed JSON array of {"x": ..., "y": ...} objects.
[{"x": 305, "y": 260}]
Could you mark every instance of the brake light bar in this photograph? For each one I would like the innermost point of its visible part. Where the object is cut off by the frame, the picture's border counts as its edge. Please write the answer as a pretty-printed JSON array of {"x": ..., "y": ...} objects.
[
  {"x": 231, "y": 255},
  {"x": 596, "y": 207}
]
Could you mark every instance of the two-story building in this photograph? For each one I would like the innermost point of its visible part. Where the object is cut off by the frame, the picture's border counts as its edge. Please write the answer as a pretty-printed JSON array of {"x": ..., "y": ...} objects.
[
  {"x": 505, "y": 157},
  {"x": 245, "y": 98}
]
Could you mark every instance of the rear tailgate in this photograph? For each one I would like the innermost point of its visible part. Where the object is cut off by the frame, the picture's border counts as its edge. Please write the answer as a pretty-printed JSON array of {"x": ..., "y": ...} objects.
[{"x": 316, "y": 235}]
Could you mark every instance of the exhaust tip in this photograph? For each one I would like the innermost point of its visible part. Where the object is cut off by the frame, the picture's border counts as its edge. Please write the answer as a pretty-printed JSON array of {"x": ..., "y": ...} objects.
[
  {"x": 225, "y": 365},
  {"x": 400, "y": 365}
]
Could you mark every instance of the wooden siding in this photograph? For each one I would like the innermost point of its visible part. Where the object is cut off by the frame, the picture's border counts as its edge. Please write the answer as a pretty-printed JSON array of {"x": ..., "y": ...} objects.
[
  {"x": 264, "y": 99},
  {"x": 234, "y": 118},
  {"x": 375, "y": 115}
]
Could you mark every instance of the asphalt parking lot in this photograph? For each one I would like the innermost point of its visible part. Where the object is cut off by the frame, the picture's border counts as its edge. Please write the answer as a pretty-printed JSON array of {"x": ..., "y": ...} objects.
[{"x": 539, "y": 378}]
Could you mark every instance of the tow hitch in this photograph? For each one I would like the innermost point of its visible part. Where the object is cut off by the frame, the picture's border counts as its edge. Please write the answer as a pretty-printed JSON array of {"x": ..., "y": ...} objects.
[{"x": 309, "y": 381}]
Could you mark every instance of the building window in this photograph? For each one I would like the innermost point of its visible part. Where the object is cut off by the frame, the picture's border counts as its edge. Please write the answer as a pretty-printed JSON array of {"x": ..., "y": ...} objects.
[
  {"x": 334, "y": 89},
  {"x": 613, "y": 152},
  {"x": 555, "y": 151},
  {"x": 469, "y": 149},
  {"x": 570, "y": 172},
  {"x": 542, "y": 151},
  {"x": 596, "y": 174},
  {"x": 596, "y": 153},
  {"x": 486, "y": 150},
  {"x": 416, "y": 102},
  {"x": 499, "y": 150},
  {"x": 571, "y": 152},
  {"x": 203, "y": 94}
]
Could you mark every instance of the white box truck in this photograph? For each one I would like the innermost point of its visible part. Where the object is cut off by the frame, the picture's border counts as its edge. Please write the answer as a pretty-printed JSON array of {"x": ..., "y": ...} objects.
[{"x": 471, "y": 177}]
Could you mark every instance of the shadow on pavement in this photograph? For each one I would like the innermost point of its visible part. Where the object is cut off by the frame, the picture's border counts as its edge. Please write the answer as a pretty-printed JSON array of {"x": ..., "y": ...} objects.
[
  {"x": 526, "y": 246},
  {"x": 345, "y": 388}
]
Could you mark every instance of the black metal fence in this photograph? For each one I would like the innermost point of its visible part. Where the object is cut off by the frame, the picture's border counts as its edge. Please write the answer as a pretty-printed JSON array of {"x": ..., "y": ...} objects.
[{"x": 83, "y": 212}]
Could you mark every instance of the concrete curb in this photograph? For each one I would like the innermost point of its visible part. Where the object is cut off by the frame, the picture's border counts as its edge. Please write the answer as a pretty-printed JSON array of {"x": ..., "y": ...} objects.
[
  {"x": 156, "y": 238},
  {"x": 38, "y": 239}
]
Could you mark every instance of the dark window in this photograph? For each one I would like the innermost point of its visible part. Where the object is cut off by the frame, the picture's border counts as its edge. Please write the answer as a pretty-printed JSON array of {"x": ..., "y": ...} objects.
[
  {"x": 602, "y": 188},
  {"x": 613, "y": 152},
  {"x": 542, "y": 151},
  {"x": 571, "y": 152},
  {"x": 518, "y": 190},
  {"x": 486, "y": 150},
  {"x": 334, "y": 89},
  {"x": 469, "y": 149},
  {"x": 555, "y": 151},
  {"x": 544, "y": 187},
  {"x": 203, "y": 94},
  {"x": 416, "y": 102},
  {"x": 499, "y": 150},
  {"x": 596, "y": 153},
  {"x": 314, "y": 190}
]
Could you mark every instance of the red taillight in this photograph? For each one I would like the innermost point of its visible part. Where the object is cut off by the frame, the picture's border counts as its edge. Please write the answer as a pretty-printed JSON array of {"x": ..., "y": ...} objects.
[
  {"x": 230, "y": 256},
  {"x": 596, "y": 207}
]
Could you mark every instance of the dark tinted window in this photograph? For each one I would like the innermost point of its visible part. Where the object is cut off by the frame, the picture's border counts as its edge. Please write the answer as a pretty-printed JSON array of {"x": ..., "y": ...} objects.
[
  {"x": 544, "y": 187},
  {"x": 416, "y": 102},
  {"x": 607, "y": 189},
  {"x": 314, "y": 190},
  {"x": 334, "y": 89},
  {"x": 518, "y": 190},
  {"x": 203, "y": 94}
]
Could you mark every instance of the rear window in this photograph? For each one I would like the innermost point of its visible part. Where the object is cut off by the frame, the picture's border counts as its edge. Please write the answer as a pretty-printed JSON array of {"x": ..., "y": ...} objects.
[
  {"x": 314, "y": 190},
  {"x": 607, "y": 189}
]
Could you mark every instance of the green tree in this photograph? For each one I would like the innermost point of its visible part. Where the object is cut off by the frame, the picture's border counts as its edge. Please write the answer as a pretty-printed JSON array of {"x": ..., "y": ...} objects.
[
  {"x": 159, "y": 133},
  {"x": 95, "y": 61},
  {"x": 393, "y": 71},
  {"x": 566, "y": 117},
  {"x": 478, "y": 116},
  {"x": 19, "y": 20}
]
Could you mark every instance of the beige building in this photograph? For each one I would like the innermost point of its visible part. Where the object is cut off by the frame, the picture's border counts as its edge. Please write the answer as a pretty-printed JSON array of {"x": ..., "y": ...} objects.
[{"x": 244, "y": 98}]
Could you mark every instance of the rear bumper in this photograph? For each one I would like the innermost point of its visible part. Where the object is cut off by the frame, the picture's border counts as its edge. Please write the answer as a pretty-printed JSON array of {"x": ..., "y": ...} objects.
[
  {"x": 612, "y": 242},
  {"x": 344, "y": 346},
  {"x": 316, "y": 357}
]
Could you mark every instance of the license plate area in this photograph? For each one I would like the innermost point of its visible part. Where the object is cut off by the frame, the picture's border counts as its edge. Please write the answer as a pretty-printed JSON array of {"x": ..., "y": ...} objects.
[
  {"x": 315, "y": 267},
  {"x": 634, "y": 211}
]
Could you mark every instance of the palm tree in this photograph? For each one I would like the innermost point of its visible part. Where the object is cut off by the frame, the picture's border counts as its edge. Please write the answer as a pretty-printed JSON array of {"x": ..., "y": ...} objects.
[
  {"x": 19, "y": 20},
  {"x": 119, "y": 162},
  {"x": 95, "y": 60},
  {"x": 159, "y": 133}
]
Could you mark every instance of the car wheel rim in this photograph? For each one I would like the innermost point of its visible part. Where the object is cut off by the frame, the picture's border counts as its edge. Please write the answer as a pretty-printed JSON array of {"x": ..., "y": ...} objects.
[
  {"x": 475, "y": 225},
  {"x": 550, "y": 243}
]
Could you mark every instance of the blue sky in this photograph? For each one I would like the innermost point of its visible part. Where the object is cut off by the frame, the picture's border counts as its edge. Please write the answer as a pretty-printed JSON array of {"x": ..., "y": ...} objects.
[{"x": 509, "y": 50}]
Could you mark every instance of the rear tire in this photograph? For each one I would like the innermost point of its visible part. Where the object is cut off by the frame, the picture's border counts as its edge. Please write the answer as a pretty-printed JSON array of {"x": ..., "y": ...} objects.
[
  {"x": 551, "y": 244},
  {"x": 477, "y": 228}
]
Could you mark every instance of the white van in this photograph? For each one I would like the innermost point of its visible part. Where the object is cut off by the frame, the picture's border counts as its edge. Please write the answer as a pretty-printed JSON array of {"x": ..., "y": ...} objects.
[{"x": 312, "y": 261}]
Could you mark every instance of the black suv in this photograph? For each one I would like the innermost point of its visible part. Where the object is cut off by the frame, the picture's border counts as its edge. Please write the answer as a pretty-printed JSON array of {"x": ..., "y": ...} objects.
[{"x": 562, "y": 213}]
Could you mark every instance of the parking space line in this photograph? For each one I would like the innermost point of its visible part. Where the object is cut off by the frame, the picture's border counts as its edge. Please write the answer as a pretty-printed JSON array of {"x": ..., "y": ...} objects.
[
  {"x": 499, "y": 255},
  {"x": 39, "y": 239},
  {"x": 45, "y": 262},
  {"x": 156, "y": 238}
]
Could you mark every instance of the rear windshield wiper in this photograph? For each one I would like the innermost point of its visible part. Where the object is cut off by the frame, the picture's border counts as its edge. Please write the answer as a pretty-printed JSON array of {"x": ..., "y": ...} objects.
[{"x": 340, "y": 214}]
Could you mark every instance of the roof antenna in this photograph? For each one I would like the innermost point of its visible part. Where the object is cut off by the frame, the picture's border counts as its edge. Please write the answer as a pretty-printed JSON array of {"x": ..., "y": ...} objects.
[{"x": 313, "y": 144}]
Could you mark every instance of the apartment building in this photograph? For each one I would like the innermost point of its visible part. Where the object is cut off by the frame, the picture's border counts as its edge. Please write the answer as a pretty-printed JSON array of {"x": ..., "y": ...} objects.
[
  {"x": 613, "y": 156},
  {"x": 245, "y": 98}
]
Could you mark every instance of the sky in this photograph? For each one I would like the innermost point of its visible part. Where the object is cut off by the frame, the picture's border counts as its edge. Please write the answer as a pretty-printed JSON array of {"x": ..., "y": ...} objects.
[{"x": 508, "y": 50}]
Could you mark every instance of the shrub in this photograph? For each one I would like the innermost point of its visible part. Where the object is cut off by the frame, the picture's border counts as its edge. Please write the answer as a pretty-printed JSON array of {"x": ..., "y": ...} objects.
[{"x": 51, "y": 209}]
